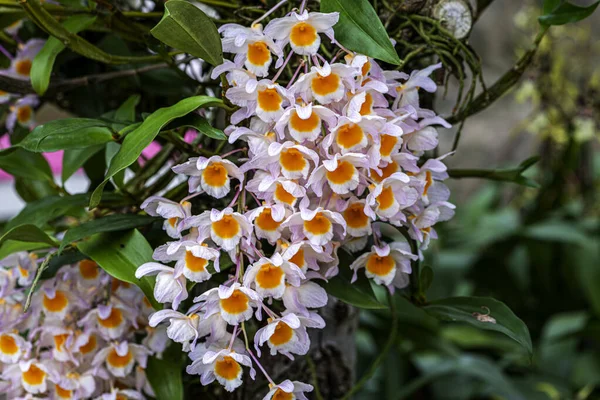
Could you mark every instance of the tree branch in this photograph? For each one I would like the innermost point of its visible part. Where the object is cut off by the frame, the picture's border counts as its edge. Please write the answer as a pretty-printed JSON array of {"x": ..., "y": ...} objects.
[{"x": 19, "y": 86}]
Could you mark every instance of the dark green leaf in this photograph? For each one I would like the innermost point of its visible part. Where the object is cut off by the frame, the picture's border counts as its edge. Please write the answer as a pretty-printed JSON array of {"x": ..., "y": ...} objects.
[
  {"x": 359, "y": 293},
  {"x": 565, "y": 13},
  {"x": 32, "y": 190},
  {"x": 68, "y": 257},
  {"x": 425, "y": 279},
  {"x": 71, "y": 133},
  {"x": 550, "y": 5},
  {"x": 141, "y": 137},
  {"x": 125, "y": 114},
  {"x": 359, "y": 29},
  {"x": 471, "y": 310},
  {"x": 120, "y": 255},
  {"x": 28, "y": 233},
  {"x": 199, "y": 123},
  {"x": 44, "y": 60},
  {"x": 25, "y": 164},
  {"x": 164, "y": 374},
  {"x": 187, "y": 28},
  {"x": 74, "y": 159},
  {"x": 587, "y": 258},
  {"x": 110, "y": 223}
]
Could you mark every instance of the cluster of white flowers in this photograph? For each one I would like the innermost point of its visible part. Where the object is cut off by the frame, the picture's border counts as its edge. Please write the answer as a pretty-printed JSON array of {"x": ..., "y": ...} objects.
[
  {"x": 330, "y": 151},
  {"x": 21, "y": 107},
  {"x": 79, "y": 339}
]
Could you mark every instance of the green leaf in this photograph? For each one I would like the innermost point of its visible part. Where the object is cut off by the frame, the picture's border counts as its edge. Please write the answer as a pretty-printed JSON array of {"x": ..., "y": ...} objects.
[
  {"x": 142, "y": 136},
  {"x": 14, "y": 246},
  {"x": 359, "y": 294},
  {"x": 199, "y": 123},
  {"x": 73, "y": 159},
  {"x": 587, "y": 260},
  {"x": 28, "y": 233},
  {"x": 187, "y": 28},
  {"x": 25, "y": 164},
  {"x": 164, "y": 374},
  {"x": 70, "y": 133},
  {"x": 120, "y": 255},
  {"x": 110, "y": 223},
  {"x": 463, "y": 309},
  {"x": 32, "y": 190},
  {"x": 125, "y": 114},
  {"x": 556, "y": 231},
  {"x": 425, "y": 279},
  {"x": 565, "y": 13},
  {"x": 44, "y": 60},
  {"x": 359, "y": 29},
  {"x": 550, "y": 5}
]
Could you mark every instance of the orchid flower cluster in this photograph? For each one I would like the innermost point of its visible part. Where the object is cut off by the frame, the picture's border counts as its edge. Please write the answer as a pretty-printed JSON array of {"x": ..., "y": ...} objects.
[
  {"x": 330, "y": 152},
  {"x": 21, "y": 107},
  {"x": 78, "y": 338}
]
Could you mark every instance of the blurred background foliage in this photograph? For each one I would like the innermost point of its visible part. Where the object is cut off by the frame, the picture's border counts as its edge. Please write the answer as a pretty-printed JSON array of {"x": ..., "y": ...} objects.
[{"x": 536, "y": 250}]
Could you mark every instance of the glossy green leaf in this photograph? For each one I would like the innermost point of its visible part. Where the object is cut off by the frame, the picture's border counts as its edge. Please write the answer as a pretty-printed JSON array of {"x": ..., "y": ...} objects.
[
  {"x": 27, "y": 233},
  {"x": 42, "y": 65},
  {"x": 359, "y": 294},
  {"x": 120, "y": 255},
  {"x": 565, "y": 13},
  {"x": 14, "y": 246},
  {"x": 110, "y": 223},
  {"x": 31, "y": 190},
  {"x": 125, "y": 114},
  {"x": 359, "y": 29},
  {"x": 164, "y": 374},
  {"x": 142, "y": 136},
  {"x": 25, "y": 164},
  {"x": 472, "y": 310},
  {"x": 70, "y": 133},
  {"x": 185, "y": 27},
  {"x": 199, "y": 123},
  {"x": 550, "y": 5},
  {"x": 73, "y": 159}
]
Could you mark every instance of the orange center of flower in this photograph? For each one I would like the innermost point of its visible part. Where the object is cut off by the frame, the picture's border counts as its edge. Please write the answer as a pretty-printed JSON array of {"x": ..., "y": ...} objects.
[
  {"x": 355, "y": 216},
  {"x": 303, "y": 34},
  {"x": 57, "y": 304},
  {"x": 89, "y": 346},
  {"x": 226, "y": 228},
  {"x": 3, "y": 93},
  {"x": 34, "y": 375},
  {"x": 24, "y": 114},
  {"x": 292, "y": 160},
  {"x": 236, "y": 303},
  {"x": 319, "y": 225},
  {"x": 387, "y": 144},
  {"x": 386, "y": 172},
  {"x": 428, "y": 182},
  {"x": 115, "y": 284},
  {"x": 173, "y": 221},
  {"x": 342, "y": 174},
  {"x": 324, "y": 85},
  {"x": 283, "y": 195},
  {"x": 283, "y": 333},
  {"x": 281, "y": 395},
  {"x": 258, "y": 53},
  {"x": 266, "y": 222},
  {"x": 227, "y": 368},
  {"x": 386, "y": 198},
  {"x": 23, "y": 67},
  {"x": 269, "y": 100},
  {"x": 88, "y": 269},
  {"x": 63, "y": 393},
  {"x": 380, "y": 265},
  {"x": 113, "y": 320},
  {"x": 215, "y": 175},
  {"x": 117, "y": 361},
  {"x": 8, "y": 344},
  {"x": 367, "y": 106},
  {"x": 193, "y": 263},
  {"x": 24, "y": 273},
  {"x": 269, "y": 276},
  {"x": 349, "y": 135},
  {"x": 298, "y": 258},
  {"x": 59, "y": 341},
  {"x": 304, "y": 125},
  {"x": 366, "y": 68}
]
